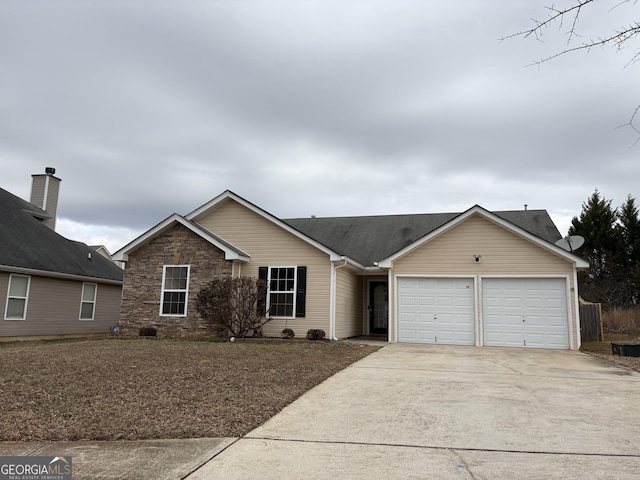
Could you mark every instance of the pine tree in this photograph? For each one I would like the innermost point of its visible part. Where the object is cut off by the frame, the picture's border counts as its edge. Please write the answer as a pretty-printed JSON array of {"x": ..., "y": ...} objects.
[
  {"x": 629, "y": 258},
  {"x": 596, "y": 224}
]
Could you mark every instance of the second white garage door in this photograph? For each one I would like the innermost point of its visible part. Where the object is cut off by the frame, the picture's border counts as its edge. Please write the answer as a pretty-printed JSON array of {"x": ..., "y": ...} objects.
[
  {"x": 525, "y": 312},
  {"x": 436, "y": 310}
]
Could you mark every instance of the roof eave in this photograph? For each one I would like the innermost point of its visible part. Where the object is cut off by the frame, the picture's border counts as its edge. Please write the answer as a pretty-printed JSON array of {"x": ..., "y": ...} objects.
[
  {"x": 230, "y": 254},
  {"x": 65, "y": 276}
]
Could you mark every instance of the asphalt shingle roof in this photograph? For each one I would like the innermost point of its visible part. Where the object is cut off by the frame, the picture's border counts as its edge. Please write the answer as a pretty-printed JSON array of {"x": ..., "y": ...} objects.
[
  {"x": 27, "y": 243},
  {"x": 374, "y": 238}
]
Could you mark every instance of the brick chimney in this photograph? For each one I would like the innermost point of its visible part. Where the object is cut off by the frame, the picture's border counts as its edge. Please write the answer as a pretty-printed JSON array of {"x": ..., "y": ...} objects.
[{"x": 44, "y": 194}]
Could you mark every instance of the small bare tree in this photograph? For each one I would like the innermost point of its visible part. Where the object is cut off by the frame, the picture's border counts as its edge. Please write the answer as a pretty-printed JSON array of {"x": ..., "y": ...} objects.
[{"x": 236, "y": 303}]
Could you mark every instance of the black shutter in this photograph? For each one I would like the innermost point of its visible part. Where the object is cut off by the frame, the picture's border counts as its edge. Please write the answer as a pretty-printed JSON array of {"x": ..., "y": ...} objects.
[
  {"x": 263, "y": 273},
  {"x": 301, "y": 294}
]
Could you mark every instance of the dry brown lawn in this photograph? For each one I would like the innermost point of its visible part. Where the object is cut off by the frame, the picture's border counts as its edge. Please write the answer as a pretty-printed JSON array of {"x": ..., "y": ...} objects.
[{"x": 114, "y": 389}]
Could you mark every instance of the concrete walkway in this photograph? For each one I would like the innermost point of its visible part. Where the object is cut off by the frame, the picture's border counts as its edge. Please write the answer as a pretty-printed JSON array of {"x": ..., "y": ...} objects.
[
  {"x": 411, "y": 411},
  {"x": 126, "y": 460}
]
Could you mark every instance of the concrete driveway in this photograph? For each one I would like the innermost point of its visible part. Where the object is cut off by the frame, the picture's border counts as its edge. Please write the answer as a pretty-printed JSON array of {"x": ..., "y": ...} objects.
[{"x": 441, "y": 412}]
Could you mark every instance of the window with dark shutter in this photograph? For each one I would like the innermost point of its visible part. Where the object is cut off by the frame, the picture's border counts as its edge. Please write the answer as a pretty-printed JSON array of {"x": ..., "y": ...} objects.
[
  {"x": 263, "y": 274},
  {"x": 301, "y": 293},
  {"x": 286, "y": 291}
]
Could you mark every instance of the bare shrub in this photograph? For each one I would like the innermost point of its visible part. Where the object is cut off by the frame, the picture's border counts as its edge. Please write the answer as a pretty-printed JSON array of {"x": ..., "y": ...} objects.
[
  {"x": 236, "y": 303},
  {"x": 622, "y": 320}
]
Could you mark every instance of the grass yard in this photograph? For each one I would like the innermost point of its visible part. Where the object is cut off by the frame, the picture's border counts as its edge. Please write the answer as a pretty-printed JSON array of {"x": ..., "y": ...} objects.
[{"x": 129, "y": 389}]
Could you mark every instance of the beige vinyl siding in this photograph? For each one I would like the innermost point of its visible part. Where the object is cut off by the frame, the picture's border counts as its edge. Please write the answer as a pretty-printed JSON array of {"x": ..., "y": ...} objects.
[
  {"x": 503, "y": 254},
  {"x": 270, "y": 245},
  {"x": 53, "y": 308},
  {"x": 349, "y": 301}
]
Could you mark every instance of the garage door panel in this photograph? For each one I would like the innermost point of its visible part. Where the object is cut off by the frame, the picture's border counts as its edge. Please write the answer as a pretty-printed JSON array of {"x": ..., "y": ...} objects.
[
  {"x": 556, "y": 303},
  {"x": 406, "y": 300},
  {"x": 445, "y": 301},
  {"x": 426, "y": 301},
  {"x": 525, "y": 313},
  {"x": 534, "y": 303},
  {"x": 423, "y": 283},
  {"x": 444, "y": 307}
]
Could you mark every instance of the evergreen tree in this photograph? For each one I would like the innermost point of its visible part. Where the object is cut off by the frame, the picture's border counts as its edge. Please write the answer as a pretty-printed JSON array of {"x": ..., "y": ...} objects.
[
  {"x": 629, "y": 257},
  {"x": 597, "y": 224}
]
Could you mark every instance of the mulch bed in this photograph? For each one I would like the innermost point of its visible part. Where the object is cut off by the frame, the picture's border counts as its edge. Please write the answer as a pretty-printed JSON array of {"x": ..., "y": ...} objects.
[{"x": 130, "y": 389}]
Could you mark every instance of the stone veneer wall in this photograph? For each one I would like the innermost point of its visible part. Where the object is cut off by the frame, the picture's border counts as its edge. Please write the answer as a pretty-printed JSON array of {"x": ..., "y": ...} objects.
[{"x": 143, "y": 283}]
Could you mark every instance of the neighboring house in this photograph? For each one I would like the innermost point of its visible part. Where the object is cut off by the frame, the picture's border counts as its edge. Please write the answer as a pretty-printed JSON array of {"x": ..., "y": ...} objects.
[
  {"x": 102, "y": 250},
  {"x": 50, "y": 285},
  {"x": 471, "y": 278}
]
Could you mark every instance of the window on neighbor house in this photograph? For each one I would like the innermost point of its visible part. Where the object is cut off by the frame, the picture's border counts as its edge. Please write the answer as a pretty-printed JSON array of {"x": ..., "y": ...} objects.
[
  {"x": 17, "y": 295},
  {"x": 88, "y": 302},
  {"x": 286, "y": 291},
  {"x": 175, "y": 289}
]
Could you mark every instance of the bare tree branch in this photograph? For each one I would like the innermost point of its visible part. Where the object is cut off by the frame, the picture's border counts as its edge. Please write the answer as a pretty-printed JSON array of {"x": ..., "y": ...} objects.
[
  {"x": 633, "y": 126},
  {"x": 617, "y": 39}
]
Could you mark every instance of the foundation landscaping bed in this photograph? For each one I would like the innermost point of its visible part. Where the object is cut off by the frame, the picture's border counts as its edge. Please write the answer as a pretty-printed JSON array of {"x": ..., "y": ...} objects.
[{"x": 131, "y": 389}]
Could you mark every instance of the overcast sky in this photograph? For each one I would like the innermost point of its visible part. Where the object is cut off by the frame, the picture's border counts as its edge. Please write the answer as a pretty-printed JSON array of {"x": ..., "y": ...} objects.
[{"x": 327, "y": 108}]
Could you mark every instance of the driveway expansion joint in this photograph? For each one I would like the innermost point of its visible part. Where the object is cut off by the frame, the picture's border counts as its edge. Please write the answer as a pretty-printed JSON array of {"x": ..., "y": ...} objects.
[
  {"x": 202, "y": 464},
  {"x": 437, "y": 447}
]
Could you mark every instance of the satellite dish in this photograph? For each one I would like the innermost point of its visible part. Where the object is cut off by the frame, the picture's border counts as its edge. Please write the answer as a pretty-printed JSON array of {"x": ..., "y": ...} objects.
[{"x": 570, "y": 243}]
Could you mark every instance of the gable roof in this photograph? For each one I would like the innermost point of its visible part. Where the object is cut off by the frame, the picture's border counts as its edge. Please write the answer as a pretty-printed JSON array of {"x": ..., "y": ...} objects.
[
  {"x": 373, "y": 239},
  {"x": 29, "y": 246},
  {"x": 231, "y": 252},
  {"x": 228, "y": 195},
  {"x": 547, "y": 244},
  {"x": 366, "y": 241}
]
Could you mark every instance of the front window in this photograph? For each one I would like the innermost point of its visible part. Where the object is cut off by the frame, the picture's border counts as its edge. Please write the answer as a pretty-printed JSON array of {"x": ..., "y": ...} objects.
[
  {"x": 17, "y": 296},
  {"x": 282, "y": 288},
  {"x": 175, "y": 286},
  {"x": 88, "y": 302}
]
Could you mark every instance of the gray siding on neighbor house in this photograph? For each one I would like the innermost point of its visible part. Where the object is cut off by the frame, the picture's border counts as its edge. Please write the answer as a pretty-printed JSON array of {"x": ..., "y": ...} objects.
[{"x": 53, "y": 308}]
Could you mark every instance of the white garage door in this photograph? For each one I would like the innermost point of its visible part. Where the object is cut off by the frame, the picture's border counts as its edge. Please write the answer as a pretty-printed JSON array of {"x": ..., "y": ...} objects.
[
  {"x": 525, "y": 312},
  {"x": 436, "y": 310}
]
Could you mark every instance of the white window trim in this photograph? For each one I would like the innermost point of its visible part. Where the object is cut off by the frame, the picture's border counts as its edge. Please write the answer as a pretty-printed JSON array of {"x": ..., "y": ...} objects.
[
  {"x": 82, "y": 301},
  {"x": 26, "y": 298},
  {"x": 295, "y": 289},
  {"x": 163, "y": 291}
]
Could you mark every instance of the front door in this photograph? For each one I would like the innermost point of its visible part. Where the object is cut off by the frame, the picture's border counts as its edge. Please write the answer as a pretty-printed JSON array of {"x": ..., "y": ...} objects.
[{"x": 378, "y": 307}]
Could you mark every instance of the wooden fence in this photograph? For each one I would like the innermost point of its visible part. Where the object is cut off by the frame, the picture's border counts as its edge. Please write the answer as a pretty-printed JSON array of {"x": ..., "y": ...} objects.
[{"x": 590, "y": 322}]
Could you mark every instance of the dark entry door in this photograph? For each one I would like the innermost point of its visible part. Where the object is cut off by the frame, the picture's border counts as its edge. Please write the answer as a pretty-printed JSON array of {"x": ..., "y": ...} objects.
[{"x": 378, "y": 307}]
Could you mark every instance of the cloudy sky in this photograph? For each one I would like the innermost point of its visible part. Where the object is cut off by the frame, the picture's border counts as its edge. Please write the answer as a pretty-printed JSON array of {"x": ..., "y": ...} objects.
[{"x": 327, "y": 108}]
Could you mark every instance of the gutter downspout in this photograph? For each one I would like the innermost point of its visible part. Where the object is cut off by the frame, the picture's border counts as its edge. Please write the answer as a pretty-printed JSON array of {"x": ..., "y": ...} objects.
[{"x": 332, "y": 312}]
